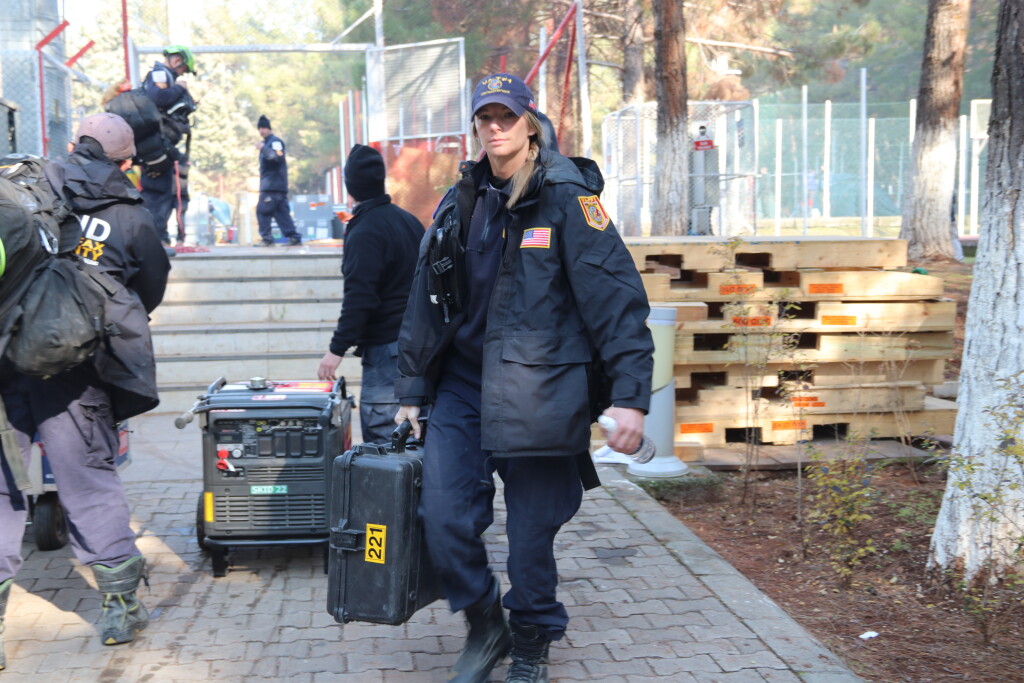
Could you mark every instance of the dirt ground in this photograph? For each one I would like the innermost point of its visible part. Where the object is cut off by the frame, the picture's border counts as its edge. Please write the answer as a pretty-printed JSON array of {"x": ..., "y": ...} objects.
[{"x": 923, "y": 635}]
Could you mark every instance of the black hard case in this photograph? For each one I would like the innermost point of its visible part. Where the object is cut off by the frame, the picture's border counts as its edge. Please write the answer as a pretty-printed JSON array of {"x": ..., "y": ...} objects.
[{"x": 378, "y": 567}]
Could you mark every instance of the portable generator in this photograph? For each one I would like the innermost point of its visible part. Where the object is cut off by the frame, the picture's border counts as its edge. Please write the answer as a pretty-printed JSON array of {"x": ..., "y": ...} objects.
[{"x": 268, "y": 447}]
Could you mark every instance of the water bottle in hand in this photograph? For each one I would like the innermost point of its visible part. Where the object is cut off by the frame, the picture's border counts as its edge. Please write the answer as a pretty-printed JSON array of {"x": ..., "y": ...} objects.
[{"x": 644, "y": 453}]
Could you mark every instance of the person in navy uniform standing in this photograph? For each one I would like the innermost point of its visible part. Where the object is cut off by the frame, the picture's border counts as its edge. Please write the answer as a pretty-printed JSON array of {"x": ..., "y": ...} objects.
[
  {"x": 73, "y": 412},
  {"x": 381, "y": 243},
  {"x": 273, "y": 202},
  {"x": 526, "y": 320},
  {"x": 163, "y": 187}
]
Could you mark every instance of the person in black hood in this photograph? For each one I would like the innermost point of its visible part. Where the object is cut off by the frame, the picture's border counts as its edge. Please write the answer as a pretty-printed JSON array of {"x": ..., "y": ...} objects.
[
  {"x": 72, "y": 412},
  {"x": 117, "y": 232},
  {"x": 381, "y": 243},
  {"x": 526, "y": 320}
]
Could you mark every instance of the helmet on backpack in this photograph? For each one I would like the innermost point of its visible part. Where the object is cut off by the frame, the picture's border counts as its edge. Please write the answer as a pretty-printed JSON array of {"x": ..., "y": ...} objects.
[{"x": 185, "y": 54}]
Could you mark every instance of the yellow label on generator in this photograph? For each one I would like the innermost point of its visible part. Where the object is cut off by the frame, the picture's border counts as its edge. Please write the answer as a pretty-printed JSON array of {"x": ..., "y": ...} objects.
[{"x": 376, "y": 541}]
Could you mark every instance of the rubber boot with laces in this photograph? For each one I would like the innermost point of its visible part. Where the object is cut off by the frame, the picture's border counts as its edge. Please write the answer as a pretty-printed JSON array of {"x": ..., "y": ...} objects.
[
  {"x": 529, "y": 655},
  {"x": 123, "y": 615},
  {"x": 5, "y": 592},
  {"x": 488, "y": 640}
]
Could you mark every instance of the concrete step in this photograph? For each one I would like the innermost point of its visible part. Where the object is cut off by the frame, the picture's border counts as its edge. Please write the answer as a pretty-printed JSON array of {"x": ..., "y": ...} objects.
[
  {"x": 218, "y": 289},
  {"x": 235, "y": 262},
  {"x": 246, "y": 311},
  {"x": 200, "y": 370},
  {"x": 230, "y": 339}
]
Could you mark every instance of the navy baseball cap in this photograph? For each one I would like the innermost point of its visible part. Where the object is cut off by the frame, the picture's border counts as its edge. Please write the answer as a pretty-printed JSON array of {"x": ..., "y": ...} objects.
[{"x": 504, "y": 89}]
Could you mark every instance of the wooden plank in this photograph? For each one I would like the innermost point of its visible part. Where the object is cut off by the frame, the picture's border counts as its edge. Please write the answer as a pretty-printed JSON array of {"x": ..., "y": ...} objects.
[
  {"x": 864, "y": 373},
  {"x": 798, "y": 285},
  {"x": 937, "y": 417},
  {"x": 828, "y": 316},
  {"x": 777, "y": 253},
  {"x": 812, "y": 348},
  {"x": 795, "y": 404}
]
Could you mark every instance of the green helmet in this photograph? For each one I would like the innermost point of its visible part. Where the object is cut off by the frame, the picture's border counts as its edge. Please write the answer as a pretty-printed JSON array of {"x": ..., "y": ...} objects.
[{"x": 185, "y": 54}]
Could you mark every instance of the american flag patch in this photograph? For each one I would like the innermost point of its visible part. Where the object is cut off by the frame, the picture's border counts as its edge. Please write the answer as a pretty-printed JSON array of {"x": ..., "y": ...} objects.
[{"x": 537, "y": 238}]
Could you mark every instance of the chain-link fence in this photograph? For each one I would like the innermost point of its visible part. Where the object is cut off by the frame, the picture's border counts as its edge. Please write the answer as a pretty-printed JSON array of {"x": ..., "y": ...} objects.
[
  {"x": 43, "y": 98},
  {"x": 772, "y": 169},
  {"x": 848, "y": 165},
  {"x": 722, "y": 166}
]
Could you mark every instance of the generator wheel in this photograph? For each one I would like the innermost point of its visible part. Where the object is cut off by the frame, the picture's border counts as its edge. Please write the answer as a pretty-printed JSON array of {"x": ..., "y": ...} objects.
[
  {"x": 48, "y": 522},
  {"x": 200, "y": 525}
]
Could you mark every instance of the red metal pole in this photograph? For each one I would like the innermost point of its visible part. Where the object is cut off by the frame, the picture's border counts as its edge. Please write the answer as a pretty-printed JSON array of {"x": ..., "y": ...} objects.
[
  {"x": 359, "y": 118},
  {"x": 124, "y": 39},
  {"x": 42, "y": 83},
  {"x": 551, "y": 43},
  {"x": 502, "y": 63},
  {"x": 78, "y": 55},
  {"x": 51, "y": 35},
  {"x": 565, "y": 83},
  {"x": 42, "y": 103}
]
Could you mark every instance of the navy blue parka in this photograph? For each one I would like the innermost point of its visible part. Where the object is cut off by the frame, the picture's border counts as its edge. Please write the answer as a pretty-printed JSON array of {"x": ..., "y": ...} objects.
[
  {"x": 567, "y": 300},
  {"x": 273, "y": 165}
]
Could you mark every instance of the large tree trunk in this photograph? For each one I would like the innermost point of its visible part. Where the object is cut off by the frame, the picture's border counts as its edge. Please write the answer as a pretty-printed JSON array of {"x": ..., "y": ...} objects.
[
  {"x": 994, "y": 347},
  {"x": 927, "y": 207},
  {"x": 671, "y": 177},
  {"x": 633, "y": 54}
]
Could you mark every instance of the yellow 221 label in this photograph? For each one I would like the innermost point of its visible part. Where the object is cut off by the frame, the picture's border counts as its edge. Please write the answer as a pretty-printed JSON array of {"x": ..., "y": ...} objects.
[{"x": 376, "y": 541}]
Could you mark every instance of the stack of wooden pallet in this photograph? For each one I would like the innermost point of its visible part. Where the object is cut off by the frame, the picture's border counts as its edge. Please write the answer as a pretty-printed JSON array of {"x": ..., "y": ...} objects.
[{"x": 781, "y": 340}]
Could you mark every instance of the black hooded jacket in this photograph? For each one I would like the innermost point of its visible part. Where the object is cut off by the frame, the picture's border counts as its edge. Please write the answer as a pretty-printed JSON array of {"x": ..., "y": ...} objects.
[
  {"x": 567, "y": 300},
  {"x": 378, "y": 263},
  {"x": 118, "y": 234},
  {"x": 273, "y": 165}
]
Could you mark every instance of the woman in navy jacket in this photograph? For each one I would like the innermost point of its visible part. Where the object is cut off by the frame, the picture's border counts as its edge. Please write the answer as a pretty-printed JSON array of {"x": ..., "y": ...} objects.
[{"x": 525, "y": 319}]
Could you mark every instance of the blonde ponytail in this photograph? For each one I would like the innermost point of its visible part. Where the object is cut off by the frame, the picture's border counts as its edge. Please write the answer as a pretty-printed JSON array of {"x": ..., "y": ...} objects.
[{"x": 521, "y": 179}]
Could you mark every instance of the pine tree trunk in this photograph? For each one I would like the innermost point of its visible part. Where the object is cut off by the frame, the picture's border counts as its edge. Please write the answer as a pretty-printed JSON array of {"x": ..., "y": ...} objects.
[
  {"x": 633, "y": 54},
  {"x": 994, "y": 346},
  {"x": 927, "y": 207},
  {"x": 671, "y": 178}
]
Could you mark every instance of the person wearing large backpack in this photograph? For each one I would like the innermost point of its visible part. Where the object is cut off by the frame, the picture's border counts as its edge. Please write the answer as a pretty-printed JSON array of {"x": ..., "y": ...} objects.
[
  {"x": 72, "y": 412},
  {"x": 163, "y": 186}
]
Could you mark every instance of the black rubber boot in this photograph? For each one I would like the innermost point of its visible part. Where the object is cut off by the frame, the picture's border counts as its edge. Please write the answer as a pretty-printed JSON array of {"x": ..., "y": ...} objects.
[
  {"x": 529, "y": 655},
  {"x": 123, "y": 615},
  {"x": 488, "y": 640},
  {"x": 5, "y": 592}
]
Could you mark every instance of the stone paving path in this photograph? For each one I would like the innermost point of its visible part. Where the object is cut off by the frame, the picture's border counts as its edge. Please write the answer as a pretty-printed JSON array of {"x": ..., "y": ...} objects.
[{"x": 648, "y": 601}]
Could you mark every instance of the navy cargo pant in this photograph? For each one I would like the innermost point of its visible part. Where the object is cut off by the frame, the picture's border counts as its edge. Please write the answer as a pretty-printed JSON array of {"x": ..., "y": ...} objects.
[
  {"x": 377, "y": 403},
  {"x": 275, "y": 205},
  {"x": 541, "y": 494},
  {"x": 160, "y": 198},
  {"x": 71, "y": 414}
]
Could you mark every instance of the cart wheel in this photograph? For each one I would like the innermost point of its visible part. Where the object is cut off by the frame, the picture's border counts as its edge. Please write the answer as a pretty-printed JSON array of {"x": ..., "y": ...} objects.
[
  {"x": 48, "y": 523},
  {"x": 219, "y": 557},
  {"x": 200, "y": 524}
]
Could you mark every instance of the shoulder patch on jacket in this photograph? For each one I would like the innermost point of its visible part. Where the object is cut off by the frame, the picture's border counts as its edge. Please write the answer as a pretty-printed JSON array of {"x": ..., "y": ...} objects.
[
  {"x": 594, "y": 213},
  {"x": 276, "y": 146}
]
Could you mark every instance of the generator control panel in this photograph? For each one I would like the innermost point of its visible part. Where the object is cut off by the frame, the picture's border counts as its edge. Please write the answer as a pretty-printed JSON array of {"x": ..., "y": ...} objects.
[{"x": 268, "y": 438}]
